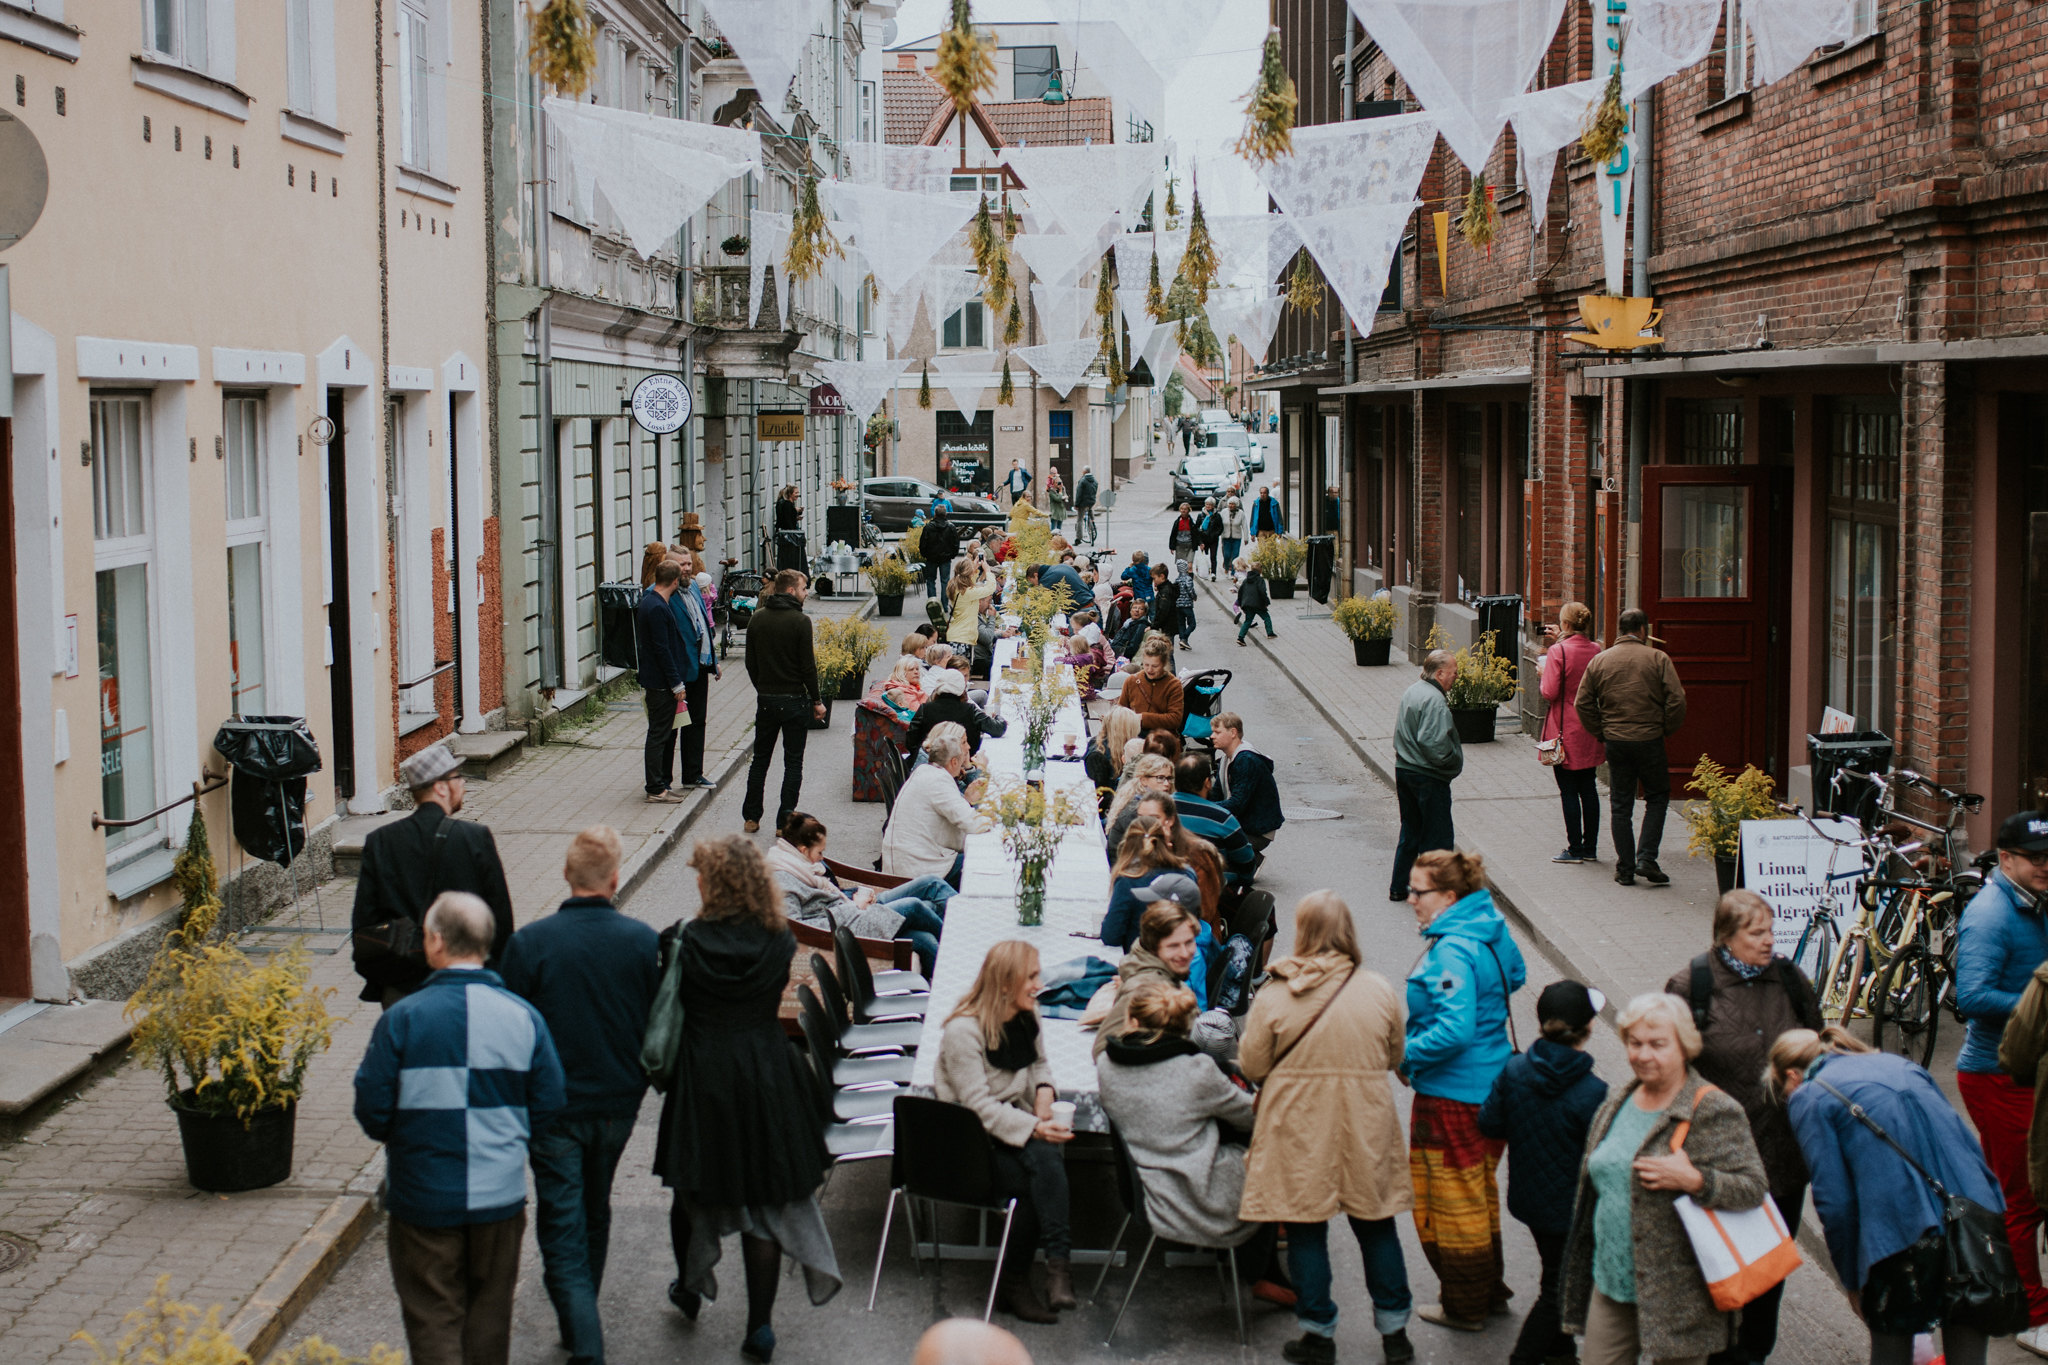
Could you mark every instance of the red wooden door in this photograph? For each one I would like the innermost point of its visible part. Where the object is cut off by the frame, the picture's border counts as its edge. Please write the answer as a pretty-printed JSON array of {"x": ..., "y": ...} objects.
[{"x": 1706, "y": 564}]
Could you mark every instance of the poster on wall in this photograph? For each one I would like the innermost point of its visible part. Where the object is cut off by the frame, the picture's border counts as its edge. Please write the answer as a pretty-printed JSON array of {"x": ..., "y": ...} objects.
[{"x": 1799, "y": 871}]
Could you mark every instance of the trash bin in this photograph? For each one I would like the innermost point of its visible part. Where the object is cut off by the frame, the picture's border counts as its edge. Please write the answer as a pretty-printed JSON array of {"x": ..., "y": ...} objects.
[
  {"x": 1322, "y": 562},
  {"x": 1502, "y": 615},
  {"x": 1867, "y": 751},
  {"x": 618, "y": 643},
  {"x": 271, "y": 757}
]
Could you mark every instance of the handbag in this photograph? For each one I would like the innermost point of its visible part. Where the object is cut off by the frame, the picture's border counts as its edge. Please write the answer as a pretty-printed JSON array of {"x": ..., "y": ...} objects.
[
  {"x": 1550, "y": 752},
  {"x": 663, "y": 1041},
  {"x": 1740, "y": 1254},
  {"x": 1982, "y": 1283}
]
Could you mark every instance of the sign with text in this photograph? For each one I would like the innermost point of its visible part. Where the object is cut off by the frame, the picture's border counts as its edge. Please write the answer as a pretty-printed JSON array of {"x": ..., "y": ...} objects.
[
  {"x": 1788, "y": 864},
  {"x": 826, "y": 402},
  {"x": 779, "y": 426}
]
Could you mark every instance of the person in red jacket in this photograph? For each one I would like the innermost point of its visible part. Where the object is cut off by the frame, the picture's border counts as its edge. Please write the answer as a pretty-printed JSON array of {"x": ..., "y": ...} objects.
[{"x": 1579, "y": 753}]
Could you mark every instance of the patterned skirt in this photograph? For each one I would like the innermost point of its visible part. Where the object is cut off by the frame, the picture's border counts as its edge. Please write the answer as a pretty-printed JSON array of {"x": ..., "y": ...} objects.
[{"x": 1457, "y": 1204}]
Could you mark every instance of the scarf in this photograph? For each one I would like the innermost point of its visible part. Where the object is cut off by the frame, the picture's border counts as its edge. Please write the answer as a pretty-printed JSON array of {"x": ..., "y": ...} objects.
[
  {"x": 787, "y": 857},
  {"x": 1128, "y": 1051},
  {"x": 1019, "y": 1048},
  {"x": 1745, "y": 970},
  {"x": 703, "y": 627}
]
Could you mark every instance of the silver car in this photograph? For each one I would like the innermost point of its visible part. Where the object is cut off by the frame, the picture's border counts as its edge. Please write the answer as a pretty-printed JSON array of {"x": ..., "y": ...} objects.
[{"x": 893, "y": 501}]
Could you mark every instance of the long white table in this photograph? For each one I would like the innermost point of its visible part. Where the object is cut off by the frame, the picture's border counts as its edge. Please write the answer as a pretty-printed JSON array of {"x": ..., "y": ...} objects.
[{"x": 985, "y": 911}]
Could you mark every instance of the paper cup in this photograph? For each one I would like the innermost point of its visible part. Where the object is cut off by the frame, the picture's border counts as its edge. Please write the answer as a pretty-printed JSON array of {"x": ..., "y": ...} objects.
[{"x": 1063, "y": 1115}]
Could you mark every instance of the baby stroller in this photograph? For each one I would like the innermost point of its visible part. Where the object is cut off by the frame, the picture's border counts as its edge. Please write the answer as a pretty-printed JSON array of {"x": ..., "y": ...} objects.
[{"x": 1202, "y": 694}]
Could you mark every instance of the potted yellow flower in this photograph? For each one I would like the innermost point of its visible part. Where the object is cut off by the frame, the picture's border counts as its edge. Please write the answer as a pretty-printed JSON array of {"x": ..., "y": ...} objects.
[
  {"x": 1279, "y": 559},
  {"x": 890, "y": 577},
  {"x": 1714, "y": 822},
  {"x": 1484, "y": 681},
  {"x": 1368, "y": 622}
]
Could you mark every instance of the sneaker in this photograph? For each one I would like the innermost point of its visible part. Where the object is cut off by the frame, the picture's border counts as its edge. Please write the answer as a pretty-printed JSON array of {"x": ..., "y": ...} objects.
[
  {"x": 1434, "y": 1312},
  {"x": 1568, "y": 856},
  {"x": 751, "y": 826},
  {"x": 1240, "y": 642},
  {"x": 1647, "y": 869},
  {"x": 1310, "y": 1349},
  {"x": 2034, "y": 1339},
  {"x": 1396, "y": 1349},
  {"x": 1624, "y": 877},
  {"x": 664, "y": 798}
]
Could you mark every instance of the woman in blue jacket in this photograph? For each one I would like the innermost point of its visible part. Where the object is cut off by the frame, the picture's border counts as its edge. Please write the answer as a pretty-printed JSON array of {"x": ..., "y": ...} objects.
[
  {"x": 1883, "y": 1222},
  {"x": 1457, "y": 1043}
]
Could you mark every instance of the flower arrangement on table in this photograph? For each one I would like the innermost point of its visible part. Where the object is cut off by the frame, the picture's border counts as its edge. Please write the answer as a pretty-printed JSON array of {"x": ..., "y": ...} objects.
[
  {"x": 1051, "y": 689},
  {"x": 1033, "y": 823}
]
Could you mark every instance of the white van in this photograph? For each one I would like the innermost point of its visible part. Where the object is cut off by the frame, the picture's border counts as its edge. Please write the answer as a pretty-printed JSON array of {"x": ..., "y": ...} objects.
[{"x": 1221, "y": 431}]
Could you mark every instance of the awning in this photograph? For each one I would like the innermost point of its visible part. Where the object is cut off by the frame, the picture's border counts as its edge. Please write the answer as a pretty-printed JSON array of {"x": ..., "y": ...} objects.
[
  {"x": 1481, "y": 379},
  {"x": 1830, "y": 357}
]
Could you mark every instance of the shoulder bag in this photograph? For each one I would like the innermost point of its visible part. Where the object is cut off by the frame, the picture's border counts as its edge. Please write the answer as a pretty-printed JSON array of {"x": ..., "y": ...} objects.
[
  {"x": 384, "y": 951},
  {"x": 1740, "y": 1254},
  {"x": 1550, "y": 752},
  {"x": 663, "y": 1041},
  {"x": 1981, "y": 1282}
]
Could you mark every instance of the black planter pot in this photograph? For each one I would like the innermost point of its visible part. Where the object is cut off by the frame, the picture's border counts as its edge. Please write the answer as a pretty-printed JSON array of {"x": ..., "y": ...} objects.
[
  {"x": 851, "y": 686},
  {"x": 888, "y": 604},
  {"x": 1373, "y": 653},
  {"x": 825, "y": 722},
  {"x": 1727, "y": 872},
  {"x": 1475, "y": 726},
  {"x": 223, "y": 1157},
  {"x": 1278, "y": 589}
]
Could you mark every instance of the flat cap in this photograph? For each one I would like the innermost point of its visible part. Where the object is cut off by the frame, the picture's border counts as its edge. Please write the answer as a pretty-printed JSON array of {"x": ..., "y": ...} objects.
[{"x": 429, "y": 766}]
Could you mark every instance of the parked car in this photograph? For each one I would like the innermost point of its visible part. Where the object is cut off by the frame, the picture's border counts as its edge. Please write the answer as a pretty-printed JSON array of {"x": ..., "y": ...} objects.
[
  {"x": 1235, "y": 439},
  {"x": 1202, "y": 475},
  {"x": 892, "y": 502}
]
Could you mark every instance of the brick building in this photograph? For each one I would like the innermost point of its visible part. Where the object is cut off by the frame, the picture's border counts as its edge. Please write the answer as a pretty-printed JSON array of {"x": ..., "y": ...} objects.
[{"x": 1829, "y": 488}]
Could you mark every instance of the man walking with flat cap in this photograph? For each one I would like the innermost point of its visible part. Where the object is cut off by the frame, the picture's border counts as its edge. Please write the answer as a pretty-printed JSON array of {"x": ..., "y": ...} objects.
[{"x": 409, "y": 862}]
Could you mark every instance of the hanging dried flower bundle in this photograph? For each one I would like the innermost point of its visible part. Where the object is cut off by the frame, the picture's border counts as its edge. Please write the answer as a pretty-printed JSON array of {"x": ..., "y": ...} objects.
[
  {"x": 1172, "y": 207},
  {"x": 811, "y": 243},
  {"x": 1607, "y": 127},
  {"x": 1198, "y": 264},
  {"x": 562, "y": 52},
  {"x": 1006, "y": 392},
  {"x": 874, "y": 290},
  {"x": 924, "y": 387},
  {"x": 1478, "y": 221},
  {"x": 1118, "y": 372},
  {"x": 1155, "y": 297},
  {"x": 1269, "y": 109},
  {"x": 999, "y": 291},
  {"x": 981, "y": 238},
  {"x": 1304, "y": 287},
  {"x": 1105, "y": 299},
  {"x": 1009, "y": 221},
  {"x": 967, "y": 63},
  {"x": 1013, "y": 326}
]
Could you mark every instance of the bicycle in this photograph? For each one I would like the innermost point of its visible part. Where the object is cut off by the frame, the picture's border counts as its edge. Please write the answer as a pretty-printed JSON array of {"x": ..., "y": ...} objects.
[{"x": 1844, "y": 956}]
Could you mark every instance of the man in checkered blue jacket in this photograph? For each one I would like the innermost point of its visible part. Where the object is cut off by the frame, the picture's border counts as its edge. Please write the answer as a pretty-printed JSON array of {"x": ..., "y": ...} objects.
[{"x": 456, "y": 1078}]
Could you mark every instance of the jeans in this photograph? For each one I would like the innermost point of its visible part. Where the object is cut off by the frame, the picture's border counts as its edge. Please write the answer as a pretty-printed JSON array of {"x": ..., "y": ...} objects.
[
  {"x": 1386, "y": 1275},
  {"x": 691, "y": 738},
  {"x": 1580, "y": 794},
  {"x": 1187, "y": 620},
  {"x": 1960, "y": 1345},
  {"x": 1230, "y": 552},
  {"x": 661, "y": 739},
  {"x": 1035, "y": 1175},
  {"x": 922, "y": 903},
  {"x": 1543, "y": 1337},
  {"x": 1425, "y": 803},
  {"x": 1212, "y": 558},
  {"x": 2002, "y": 1109},
  {"x": 1630, "y": 761},
  {"x": 789, "y": 717},
  {"x": 1245, "y": 626},
  {"x": 573, "y": 1164},
  {"x": 936, "y": 573}
]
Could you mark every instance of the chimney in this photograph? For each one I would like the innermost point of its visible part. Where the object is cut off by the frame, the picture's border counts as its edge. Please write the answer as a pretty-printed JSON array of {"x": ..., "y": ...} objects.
[{"x": 906, "y": 61}]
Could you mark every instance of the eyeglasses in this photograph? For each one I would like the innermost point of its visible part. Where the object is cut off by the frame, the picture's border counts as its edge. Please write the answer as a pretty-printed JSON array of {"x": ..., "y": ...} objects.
[
  {"x": 2038, "y": 859},
  {"x": 1416, "y": 893}
]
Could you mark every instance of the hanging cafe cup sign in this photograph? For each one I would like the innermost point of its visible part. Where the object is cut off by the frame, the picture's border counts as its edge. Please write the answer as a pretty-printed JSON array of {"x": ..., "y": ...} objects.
[
  {"x": 779, "y": 426},
  {"x": 1618, "y": 324}
]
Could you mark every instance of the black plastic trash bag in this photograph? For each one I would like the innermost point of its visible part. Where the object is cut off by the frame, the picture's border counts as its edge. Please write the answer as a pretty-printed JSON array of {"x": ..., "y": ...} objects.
[{"x": 271, "y": 757}]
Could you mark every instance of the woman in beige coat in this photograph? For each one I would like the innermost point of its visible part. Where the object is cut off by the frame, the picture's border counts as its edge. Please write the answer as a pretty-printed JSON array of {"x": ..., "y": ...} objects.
[{"x": 1322, "y": 1039}]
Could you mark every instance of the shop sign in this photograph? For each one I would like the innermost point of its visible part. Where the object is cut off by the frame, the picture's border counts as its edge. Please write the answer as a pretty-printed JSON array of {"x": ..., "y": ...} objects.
[
  {"x": 779, "y": 426},
  {"x": 1789, "y": 865},
  {"x": 826, "y": 402}
]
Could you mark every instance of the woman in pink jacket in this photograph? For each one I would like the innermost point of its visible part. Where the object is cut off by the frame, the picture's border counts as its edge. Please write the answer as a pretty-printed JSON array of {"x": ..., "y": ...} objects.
[{"x": 1564, "y": 664}]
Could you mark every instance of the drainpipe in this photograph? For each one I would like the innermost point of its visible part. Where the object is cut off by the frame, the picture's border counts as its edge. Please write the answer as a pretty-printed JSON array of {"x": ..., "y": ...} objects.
[
  {"x": 1348, "y": 112},
  {"x": 550, "y": 543},
  {"x": 1639, "y": 285}
]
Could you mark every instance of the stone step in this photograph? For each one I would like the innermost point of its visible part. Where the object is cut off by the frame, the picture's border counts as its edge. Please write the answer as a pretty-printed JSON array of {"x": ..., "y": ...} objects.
[
  {"x": 488, "y": 755},
  {"x": 52, "y": 1053},
  {"x": 349, "y": 834}
]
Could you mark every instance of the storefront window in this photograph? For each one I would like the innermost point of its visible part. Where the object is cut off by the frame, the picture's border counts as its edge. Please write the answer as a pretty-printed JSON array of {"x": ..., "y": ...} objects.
[
  {"x": 1863, "y": 553},
  {"x": 1709, "y": 431},
  {"x": 123, "y": 548},
  {"x": 1705, "y": 541}
]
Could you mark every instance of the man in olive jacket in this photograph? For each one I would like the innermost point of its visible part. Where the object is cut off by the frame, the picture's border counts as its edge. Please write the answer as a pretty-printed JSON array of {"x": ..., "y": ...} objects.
[
  {"x": 784, "y": 668},
  {"x": 1428, "y": 756},
  {"x": 1631, "y": 700}
]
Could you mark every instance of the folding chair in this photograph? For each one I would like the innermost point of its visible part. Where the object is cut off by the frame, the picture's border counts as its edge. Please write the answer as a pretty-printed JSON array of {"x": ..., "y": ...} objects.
[
  {"x": 945, "y": 1156},
  {"x": 859, "y": 981},
  {"x": 901, "y": 1035},
  {"x": 1130, "y": 1187}
]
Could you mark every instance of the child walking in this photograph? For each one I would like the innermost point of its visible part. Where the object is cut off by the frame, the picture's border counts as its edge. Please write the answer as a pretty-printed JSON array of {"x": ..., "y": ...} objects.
[
  {"x": 1253, "y": 601},
  {"x": 1542, "y": 1103}
]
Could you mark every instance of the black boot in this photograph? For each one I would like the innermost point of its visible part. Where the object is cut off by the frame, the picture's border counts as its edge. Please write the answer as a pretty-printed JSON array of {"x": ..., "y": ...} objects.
[
  {"x": 1395, "y": 1348},
  {"x": 1310, "y": 1349},
  {"x": 1059, "y": 1284},
  {"x": 1017, "y": 1298}
]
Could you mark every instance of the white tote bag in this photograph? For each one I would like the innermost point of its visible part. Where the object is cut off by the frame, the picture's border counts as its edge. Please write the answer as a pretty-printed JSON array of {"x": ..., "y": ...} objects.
[{"x": 1741, "y": 1254}]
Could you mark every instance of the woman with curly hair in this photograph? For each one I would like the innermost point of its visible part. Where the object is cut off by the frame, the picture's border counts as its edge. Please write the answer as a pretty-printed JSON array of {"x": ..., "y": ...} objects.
[{"x": 742, "y": 1139}]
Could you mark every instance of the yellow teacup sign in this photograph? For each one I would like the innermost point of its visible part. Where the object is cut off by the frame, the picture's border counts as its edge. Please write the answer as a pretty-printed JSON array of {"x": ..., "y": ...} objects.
[{"x": 1619, "y": 324}]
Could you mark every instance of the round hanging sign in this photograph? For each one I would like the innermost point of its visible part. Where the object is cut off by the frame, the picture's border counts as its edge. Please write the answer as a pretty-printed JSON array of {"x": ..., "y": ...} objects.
[{"x": 661, "y": 403}]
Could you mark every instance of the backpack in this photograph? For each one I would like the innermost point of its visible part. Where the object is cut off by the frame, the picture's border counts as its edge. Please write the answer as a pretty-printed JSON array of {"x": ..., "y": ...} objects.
[{"x": 663, "y": 1041}]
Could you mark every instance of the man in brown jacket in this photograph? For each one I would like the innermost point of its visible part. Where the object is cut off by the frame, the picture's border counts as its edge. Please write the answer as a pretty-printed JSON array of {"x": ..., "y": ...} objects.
[
  {"x": 1631, "y": 700},
  {"x": 1153, "y": 692}
]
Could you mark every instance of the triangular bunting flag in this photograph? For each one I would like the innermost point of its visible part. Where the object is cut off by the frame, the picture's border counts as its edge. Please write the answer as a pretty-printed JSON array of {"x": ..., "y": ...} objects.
[
  {"x": 1085, "y": 187},
  {"x": 1251, "y": 315},
  {"x": 769, "y": 36},
  {"x": 1136, "y": 320},
  {"x": 765, "y": 248},
  {"x": 898, "y": 232},
  {"x": 1664, "y": 38},
  {"x": 915, "y": 170},
  {"x": 1464, "y": 58},
  {"x": 1253, "y": 248},
  {"x": 1057, "y": 258},
  {"x": 1546, "y": 122},
  {"x": 1337, "y": 166},
  {"x": 1060, "y": 365},
  {"x": 862, "y": 384},
  {"x": 1356, "y": 250},
  {"x": 1063, "y": 313},
  {"x": 967, "y": 378},
  {"x": 654, "y": 176},
  {"x": 1783, "y": 33}
]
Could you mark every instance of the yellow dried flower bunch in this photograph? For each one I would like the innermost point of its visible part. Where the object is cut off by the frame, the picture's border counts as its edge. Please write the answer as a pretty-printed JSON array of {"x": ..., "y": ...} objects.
[
  {"x": 1478, "y": 221},
  {"x": 1304, "y": 287},
  {"x": 560, "y": 47},
  {"x": 811, "y": 242},
  {"x": 1607, "y": 127},
  {"x": 1269, "y": 108},
  {"x": 967, "y": 63}
]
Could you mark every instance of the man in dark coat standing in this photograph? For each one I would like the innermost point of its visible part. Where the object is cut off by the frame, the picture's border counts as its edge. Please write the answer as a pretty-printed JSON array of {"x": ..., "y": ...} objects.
[
  {"x": 783, "y": 664},
  {"x": 665, "y": 673},
  {"x": 1084, "y": 506},
  {"x": 409, "y": 862},
  {"x": 937, "y": 545}
]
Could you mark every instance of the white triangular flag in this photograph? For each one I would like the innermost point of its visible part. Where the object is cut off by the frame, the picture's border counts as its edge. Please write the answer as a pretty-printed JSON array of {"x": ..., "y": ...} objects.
[
  {"x": 966, "y": 378},
  {"x": 769, "y": 36},
  {"x": 1784, "y": 33},
  {"x": 1253, "y": 248},
  {"x": 1136, "y": 319},
  {"x": 1063, "y": 313},
  {"x": 1085, "y": 187},
  {"x": 862, "y": 384},
  {"x": 1356, "y": 250},
  {"x": 770, "y": 241},
  {"x": 1056, "y": 258},
  {"x": 1663, "y": 38},
  {"x": 1339, "y": 166},
  {"x": 1060, "y": 365},
  {"x": 654, "y": 176},
  {"x": 898, "y": 232},
  {"x": 1464, "y": 58},
  {"x": 1546, "y": 122},
  {"x": 1251, "y": 315}
]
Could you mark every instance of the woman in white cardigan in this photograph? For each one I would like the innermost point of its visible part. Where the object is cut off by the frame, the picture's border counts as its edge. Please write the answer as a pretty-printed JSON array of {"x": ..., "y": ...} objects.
[{"x": 927, "y": 833}]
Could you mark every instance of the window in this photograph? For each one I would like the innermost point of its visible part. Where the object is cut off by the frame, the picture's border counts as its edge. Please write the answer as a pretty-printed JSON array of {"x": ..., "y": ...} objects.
[
  {"x": 309, "y": 57},
  {"x": 965, "y": 330},
  {"x": 985, "y": 184},
  {"x": 1372, "y": 473},
  {"x": 1468, "y": 451},
  {"x": 123, "y": 547},
  {"x": 1735, "y": 59},
  {"x": 1705, "y": 541},
  {"x": 420, "y": 55},
  {"x": 1863, "y": 552},
  {"x": 1059, "y": 426},
  {"x": 1034, "y": 71},
  {"x": 178, "y": 31},
  {"x": 247, "y": 534},
  {"x": 1709, "y": 431},
  {"x": 1862, "y": 18}
]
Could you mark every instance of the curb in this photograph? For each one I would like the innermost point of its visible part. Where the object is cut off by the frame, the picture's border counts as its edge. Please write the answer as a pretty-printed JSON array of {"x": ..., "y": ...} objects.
[{"x": 302, "y": 1274}]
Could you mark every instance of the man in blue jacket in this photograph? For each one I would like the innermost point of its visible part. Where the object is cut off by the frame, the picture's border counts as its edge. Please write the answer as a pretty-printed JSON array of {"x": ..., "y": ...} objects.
[
  {"x": 664, "y": 676},
  {"x": 1245, "y": 777},
  {"x": 456, "y": 1077},
  {"x": 2003, "y": 938},
  {"x": 700, "y": 666},
  {"x": 1266, "y": 516},
  {"x": 592, "y": 973}
]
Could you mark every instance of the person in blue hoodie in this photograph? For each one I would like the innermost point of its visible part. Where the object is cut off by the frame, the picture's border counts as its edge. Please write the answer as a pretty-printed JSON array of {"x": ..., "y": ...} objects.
[
  {"x": 1458, "y": 1041},
  {"x": 1542, "y": 1105},
  {"x": 1138, "y": 573}
]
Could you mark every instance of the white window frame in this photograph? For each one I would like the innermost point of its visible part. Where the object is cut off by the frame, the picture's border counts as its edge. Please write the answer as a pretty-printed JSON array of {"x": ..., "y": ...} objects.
[
  {"x": 410, "y": 422},
  {"x": 422, "y": 86},
  {"x": 961, "y": 315},
  {"x": 252, "y": 527},
  {"x": 1735, "y": 62},
  {"x": 309, "y": 59},
  {"x": 128, "y": 551},
  {"x": 196, "y": 34}
]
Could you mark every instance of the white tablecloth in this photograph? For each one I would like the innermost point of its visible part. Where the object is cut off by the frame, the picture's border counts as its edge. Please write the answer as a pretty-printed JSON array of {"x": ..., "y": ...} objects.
[{"x": 985, "y": 911}]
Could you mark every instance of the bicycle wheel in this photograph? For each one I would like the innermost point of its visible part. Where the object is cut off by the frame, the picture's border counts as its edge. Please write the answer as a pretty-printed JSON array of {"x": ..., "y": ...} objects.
[
  {"x": 1907, "y": 1005},
  {"x": 1816, "y": 947},
  {"x": 1844, "y": 978}
]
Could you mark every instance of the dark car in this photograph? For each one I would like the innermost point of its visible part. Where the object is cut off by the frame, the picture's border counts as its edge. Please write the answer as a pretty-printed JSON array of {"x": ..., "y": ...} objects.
[
  {"x": 1203, "y": 475},
  {"x": 892, "y": 502}
]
